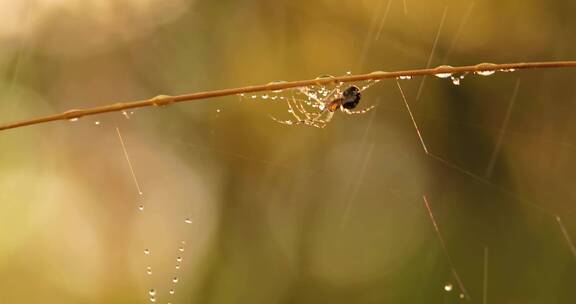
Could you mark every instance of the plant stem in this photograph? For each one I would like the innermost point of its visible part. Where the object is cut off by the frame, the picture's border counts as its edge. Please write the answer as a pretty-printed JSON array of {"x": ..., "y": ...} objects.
[{"x": 164, "y": 100}]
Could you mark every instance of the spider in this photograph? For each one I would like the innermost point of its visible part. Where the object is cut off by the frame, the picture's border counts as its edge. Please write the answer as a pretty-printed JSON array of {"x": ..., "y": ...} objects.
[{"x": 345, "y": 101}]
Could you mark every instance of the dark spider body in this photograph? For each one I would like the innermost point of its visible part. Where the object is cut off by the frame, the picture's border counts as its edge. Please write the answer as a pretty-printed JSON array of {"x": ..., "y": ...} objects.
[{"x": 349, "y": 100}]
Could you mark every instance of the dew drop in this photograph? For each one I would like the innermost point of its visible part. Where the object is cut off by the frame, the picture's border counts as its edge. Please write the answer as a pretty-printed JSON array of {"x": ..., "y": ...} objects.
[
  {"x": 73, "y": 119},
  {"x": 217, "y": 110},
  {"x": 461, "y": 296},
  {"x": 448, "y": 287},
  {"x": 181, "y": 249},
  {"x": 507, "y": 70},
  {"x": 141, "y": 207},
  {"x": 152, "y": 292},
  {"x": 443, "y": 75},
  {"x": 179, "y": 259},
  {"x": 265, "y": 96},
  {"x": 152, "y": 299},
  {"x": 188, "y": 220},
  {"x": 171, "y": 291},
  {"x": 97, "y": 123},
  {"x": 404, "y": 77},
  {"x": 146, "y": 251},
  {"x": 456, "y": 80},
  {"x": 175, "y": 279},
  {"x": 485, "y": 67},
  {"x": 149, "y": 270},
  {"x": 486, "y": 73},
  {"x": 183, "y": 242},
  {"x": 177, "y": 267},
  {"x": 349, "y": 73}
]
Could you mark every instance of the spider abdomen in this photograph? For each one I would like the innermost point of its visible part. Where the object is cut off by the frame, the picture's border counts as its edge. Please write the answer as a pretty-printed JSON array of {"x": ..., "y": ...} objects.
[{"x": 351, "y": 97}]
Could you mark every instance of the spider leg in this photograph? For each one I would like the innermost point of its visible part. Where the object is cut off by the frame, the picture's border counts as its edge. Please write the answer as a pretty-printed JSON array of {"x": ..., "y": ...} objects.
[
  {"x": 328, "y": 116},
  {"x": 351, "y": 112},
  {"x": 287, "y": 122},
  {"x": 368, "y": 85}
]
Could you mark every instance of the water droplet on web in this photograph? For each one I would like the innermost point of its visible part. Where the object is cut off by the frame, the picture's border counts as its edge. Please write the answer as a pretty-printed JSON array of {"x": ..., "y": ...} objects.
[
  {"x": 177, "y": 266},
  {"x": 73, "y": 119},
  {"x": 265, "y": 96},
  {"x": 457, "y": 79},
  {"x": 149, "y": 270},
  {"x": 175, "y": 279},
  {"x": 485, "y": 73},
  {"x": 152, "y": 292},
  {"x": 152, "y": 299},
  {"x": 443, "y": 75},
  {"x": 181, "y": 249},
  {"x": 97, "y": 123},
  {"x": 448, "y": 287},
  {"x": 405, "y": 77},
  {"x": 171, "y": 291},
  {"x": 217, "y": 110},
  {"x": 349, "y": 73},
  {"x": 179, "y": 259},
  {"x": 126, "y": 115},
  {"x": 188, "y": 220},
  {"x": 141, "y": 207},
  {"x": 183, "y": 242},
  {"x": 254, "y": 96},
  {"x": 461, "y": 296},
  {"x": 507, "y": 70},
  {"x": 146, "y": 251},
  {"x": 486, "y": 68}
]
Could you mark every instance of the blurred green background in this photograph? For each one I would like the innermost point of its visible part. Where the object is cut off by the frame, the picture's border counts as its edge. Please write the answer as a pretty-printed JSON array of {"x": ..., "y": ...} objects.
[{"x": 284, "y": 214}]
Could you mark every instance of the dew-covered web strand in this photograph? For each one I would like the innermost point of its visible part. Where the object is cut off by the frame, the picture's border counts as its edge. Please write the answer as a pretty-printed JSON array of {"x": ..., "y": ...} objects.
[
  {"x": 445, "y": 249},
  {"x": 433, "y": 52},
  {"x": 127, "y": 157},
  {"x": 412, "y": 117},
  {"x": 152, "y": 292},
  {"x": 566, "y": 236},
  {"x": 496, "y": 151}
]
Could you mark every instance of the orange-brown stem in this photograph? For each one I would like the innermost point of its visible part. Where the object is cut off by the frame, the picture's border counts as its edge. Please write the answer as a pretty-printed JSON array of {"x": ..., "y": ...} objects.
[{"x": 166, "y": 100}]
